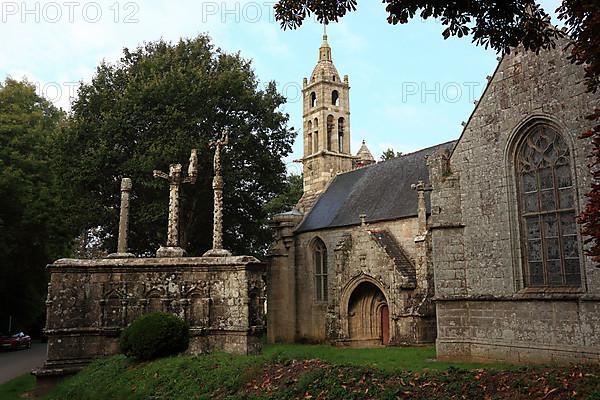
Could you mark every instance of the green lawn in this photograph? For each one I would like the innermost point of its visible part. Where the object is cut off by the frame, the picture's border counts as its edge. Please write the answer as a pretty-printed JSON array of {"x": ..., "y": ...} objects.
[
  {"x": 311, "y": 371},
  {"x": 12, "y": 389},
  {"x": 389, "y": 359}
]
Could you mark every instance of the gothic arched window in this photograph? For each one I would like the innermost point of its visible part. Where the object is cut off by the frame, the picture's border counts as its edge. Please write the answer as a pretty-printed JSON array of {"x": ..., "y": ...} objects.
[
  {"x": 313, "y": 99},
  {"x": 335, "y": 98},
  {"x": 547, "y": 210},
  {"x": 319, "y": 254}
]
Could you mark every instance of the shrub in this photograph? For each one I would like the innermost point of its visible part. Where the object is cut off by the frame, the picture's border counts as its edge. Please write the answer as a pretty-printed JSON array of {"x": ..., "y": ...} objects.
[{"x": 155, "y": 335}]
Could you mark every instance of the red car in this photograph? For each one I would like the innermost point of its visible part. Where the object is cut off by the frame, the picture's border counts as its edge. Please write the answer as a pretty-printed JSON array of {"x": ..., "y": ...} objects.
[{"x": 16, "y": 341}]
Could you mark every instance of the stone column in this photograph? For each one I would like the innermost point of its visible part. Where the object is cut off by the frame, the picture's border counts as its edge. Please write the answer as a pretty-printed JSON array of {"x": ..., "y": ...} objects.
[
  {"x": 421, "y": 188},
  {"x": 173, "y": 225},
  {"x": 217, "y": 249},
  {"x": 124, "y": 216},
  {"x": 218, "y": 213},
  {"x": 281, "y": 286},
  {"x": 122, "y": 247}
]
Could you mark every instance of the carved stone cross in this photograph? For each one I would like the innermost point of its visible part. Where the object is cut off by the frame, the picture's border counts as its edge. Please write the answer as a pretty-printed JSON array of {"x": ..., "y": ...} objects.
[
  {"x": 217, "y": 249},
  {"x": 176, "y": 179},
  {"x": 421, "y": 188}
]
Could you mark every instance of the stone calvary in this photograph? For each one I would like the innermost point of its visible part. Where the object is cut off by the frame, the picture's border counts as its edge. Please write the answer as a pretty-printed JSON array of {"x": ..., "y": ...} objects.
[{"x": 90, "y": 301}]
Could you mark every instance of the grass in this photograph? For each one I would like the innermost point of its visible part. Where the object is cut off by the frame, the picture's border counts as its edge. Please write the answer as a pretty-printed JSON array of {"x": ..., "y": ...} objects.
[
  {"x": 294, "y": 371},
  {"x": 14, "y": 388},
  {"x": 389, "y": 359},
  {"x": 184, "y": 377},
  {"x": 220, "y": 375}
]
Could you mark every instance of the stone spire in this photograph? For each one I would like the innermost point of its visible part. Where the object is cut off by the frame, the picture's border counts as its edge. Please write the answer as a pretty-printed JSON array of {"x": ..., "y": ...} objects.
[
  {"x": 364, "y": 156},
  {"x": 325, "y": 69},
  {"x": 325, "y": 50}
]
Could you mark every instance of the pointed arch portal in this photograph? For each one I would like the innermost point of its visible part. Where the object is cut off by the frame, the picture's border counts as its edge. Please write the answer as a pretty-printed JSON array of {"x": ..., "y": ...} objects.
[{"x": 368, "y": 315}]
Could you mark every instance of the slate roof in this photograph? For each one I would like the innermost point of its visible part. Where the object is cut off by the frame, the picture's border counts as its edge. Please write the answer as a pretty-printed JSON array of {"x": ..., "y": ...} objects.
[
  {"x": 394, "y": 250},
  {"x": 381, "y": 191}
]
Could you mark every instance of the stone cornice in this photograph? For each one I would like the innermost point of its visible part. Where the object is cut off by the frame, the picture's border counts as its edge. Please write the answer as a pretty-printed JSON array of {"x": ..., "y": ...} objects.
[
  {"x": 537, "y": 296},
  {"x": 233, "y": 263}
]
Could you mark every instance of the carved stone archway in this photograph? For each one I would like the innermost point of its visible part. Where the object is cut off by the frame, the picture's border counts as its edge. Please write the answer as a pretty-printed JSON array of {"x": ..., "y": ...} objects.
[{"x": 365, "y": 313}]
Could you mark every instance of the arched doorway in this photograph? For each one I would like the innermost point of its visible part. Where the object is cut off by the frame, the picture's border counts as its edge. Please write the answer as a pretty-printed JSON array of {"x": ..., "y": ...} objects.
[{"x": 368, "y": 316}]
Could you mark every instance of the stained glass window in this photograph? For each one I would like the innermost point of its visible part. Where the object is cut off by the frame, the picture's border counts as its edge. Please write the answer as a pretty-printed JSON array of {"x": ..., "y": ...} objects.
[{"x": 547, "y": 208}]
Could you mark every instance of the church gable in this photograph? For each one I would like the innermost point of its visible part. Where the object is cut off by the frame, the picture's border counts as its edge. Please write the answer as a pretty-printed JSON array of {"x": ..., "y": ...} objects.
[
  {"x": 525, "y": 84},
  {"x": 374, "y": 253},
  {"x": 527, "y": 92},
  {"x": 504, "y": 232}
]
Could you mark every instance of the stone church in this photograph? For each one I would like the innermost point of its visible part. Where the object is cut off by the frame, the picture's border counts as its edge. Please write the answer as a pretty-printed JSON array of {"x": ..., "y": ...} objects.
[{"x": 471, "y": 244}]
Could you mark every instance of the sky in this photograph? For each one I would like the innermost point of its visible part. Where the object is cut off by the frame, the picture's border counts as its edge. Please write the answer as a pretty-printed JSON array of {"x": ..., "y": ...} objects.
[{"x": 410, "y": 88}]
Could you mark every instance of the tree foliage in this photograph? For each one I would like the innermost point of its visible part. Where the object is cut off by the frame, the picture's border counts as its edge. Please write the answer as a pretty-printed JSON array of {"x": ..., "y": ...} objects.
[
  {"x": 583, "y": 19},
  {"x": 390, "y": 154},
  {"x": 149, "y": 110},
  {"x": 499, "y": 25},
  {"x": 288, "y": 198},
  {"x": 32, "y": 233}
]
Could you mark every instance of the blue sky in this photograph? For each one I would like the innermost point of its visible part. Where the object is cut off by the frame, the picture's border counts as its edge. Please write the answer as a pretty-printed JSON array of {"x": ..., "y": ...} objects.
[{"x": 409, "y": 88}]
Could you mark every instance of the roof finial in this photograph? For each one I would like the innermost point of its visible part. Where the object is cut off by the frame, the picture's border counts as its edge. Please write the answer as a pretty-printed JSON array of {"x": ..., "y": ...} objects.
[{"x": 325, "y": 29}]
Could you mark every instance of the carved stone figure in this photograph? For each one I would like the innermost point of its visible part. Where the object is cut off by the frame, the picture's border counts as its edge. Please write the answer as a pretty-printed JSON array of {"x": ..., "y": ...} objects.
[{"x": 175, "y": 179}]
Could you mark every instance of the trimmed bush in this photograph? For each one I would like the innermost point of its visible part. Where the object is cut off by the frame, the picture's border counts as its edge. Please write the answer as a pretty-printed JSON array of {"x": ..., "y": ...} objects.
[{"x": 155, "y": 335}]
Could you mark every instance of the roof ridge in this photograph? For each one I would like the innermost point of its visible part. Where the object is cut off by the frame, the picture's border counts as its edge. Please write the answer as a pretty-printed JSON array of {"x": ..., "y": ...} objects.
[
  {"x": 399, "y": 158},
  {"x": 381, "y": 191}
]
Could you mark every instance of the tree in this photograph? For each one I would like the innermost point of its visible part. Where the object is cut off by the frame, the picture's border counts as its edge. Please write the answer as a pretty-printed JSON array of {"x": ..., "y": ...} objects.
[
  {"x": 149, "y": 110},
  {"x": 390, "y": 154},
  {"x": 32, "y": 231},
  {"x": 500, "y": 25},
  {"x": 288, "y": 198}
]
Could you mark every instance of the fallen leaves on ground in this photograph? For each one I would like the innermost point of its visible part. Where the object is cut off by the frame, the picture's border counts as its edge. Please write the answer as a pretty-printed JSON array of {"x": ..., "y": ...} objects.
[{"x": 317, "y": 380}]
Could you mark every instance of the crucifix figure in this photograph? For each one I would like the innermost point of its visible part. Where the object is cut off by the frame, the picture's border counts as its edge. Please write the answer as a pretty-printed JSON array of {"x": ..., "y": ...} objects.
[
  {"x": 217, "y": 249},
  {"x": 176, "y": 179}
]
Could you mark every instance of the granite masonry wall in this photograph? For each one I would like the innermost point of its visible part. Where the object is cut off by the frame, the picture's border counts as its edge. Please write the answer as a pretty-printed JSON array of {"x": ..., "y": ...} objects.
[
  {"x": 484, "y": 309},
  {"x": 91, "y": 301},
  {"x": 384, "y": 255}
]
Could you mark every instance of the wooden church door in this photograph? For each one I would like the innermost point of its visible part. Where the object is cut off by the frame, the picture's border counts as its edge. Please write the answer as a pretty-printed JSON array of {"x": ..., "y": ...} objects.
[{"x": 385, "y": 325}]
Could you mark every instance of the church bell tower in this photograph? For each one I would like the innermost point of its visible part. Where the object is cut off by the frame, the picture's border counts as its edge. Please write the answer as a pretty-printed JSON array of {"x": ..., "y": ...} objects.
[{"x": 326, "y": 121}]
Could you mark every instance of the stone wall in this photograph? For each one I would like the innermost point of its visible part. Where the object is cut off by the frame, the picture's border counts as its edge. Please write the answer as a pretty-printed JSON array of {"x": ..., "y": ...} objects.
[
  {"x": 484, "y": 309},
  {"x": 281, "y": 285},
  {"x": 91, "y": 301},
  {"x": 520, "y": 330},
  {"x": 319, "y": 169},
  {"x": 354, "y": 256}
]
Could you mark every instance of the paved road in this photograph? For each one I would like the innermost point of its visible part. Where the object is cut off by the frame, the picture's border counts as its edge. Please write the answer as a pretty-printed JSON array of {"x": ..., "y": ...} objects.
[{"x": 17, "y": 363}]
